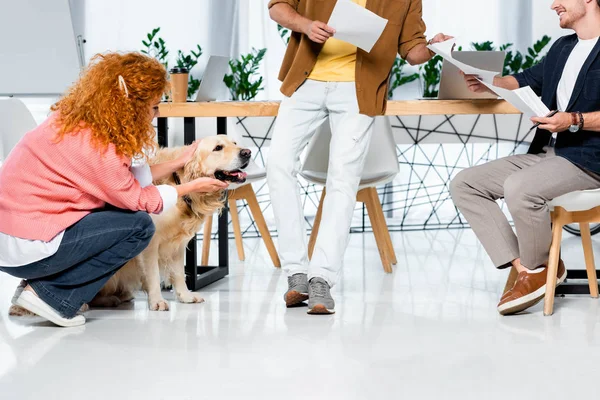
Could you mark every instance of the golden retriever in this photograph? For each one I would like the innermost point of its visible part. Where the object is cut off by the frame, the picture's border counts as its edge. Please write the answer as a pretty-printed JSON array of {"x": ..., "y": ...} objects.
[{"x": 216, "y": 156}]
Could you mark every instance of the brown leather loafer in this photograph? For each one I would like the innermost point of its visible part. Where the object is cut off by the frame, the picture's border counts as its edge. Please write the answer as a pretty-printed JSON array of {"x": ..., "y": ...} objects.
[{"x": 529, "y": 290}]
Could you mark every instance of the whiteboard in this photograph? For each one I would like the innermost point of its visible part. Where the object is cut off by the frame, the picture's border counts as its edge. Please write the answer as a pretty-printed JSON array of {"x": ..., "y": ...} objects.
[{"x": 38, "y": 50}]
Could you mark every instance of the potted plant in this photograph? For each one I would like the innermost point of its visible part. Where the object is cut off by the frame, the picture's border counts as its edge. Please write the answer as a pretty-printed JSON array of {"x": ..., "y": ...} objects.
[
  {"x": 156, "y": 47},
  {"x": 244, "y": 84}
]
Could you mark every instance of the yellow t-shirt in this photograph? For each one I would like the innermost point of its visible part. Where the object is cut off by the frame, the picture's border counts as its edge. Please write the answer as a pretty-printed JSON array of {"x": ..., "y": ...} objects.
[{"x": 337, "y": 60}]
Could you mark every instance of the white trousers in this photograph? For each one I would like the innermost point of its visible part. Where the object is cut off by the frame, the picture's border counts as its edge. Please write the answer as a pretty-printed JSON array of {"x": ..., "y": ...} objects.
[{"x": 299, "y": 117}]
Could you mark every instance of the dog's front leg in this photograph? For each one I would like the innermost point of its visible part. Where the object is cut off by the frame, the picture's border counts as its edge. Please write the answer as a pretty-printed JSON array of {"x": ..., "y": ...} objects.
[
  {"x": 151, "y": 278},
  {"x": 178, "y": 280}
]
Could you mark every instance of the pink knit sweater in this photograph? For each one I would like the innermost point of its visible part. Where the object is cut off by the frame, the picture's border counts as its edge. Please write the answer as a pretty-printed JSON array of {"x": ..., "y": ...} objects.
[{"x": 45, "y": 187}]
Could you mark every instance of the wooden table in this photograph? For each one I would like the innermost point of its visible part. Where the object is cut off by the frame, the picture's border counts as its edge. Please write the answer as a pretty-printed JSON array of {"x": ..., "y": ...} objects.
[
  {"x": 200, "y": 276},
  {"x": 400, "y": 108}
]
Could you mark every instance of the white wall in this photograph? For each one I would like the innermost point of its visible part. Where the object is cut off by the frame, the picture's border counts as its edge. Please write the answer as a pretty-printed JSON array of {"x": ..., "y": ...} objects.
[{"x": 121, "y": 25}]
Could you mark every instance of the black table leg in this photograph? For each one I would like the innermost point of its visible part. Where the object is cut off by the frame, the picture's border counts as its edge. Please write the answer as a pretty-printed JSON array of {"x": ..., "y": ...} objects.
[
  {"x": 163, "y": 132},
  {"x": 224, "y": 217}
]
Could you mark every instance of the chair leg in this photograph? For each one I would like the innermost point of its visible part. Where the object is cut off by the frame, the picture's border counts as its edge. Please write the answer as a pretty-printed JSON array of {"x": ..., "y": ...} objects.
[
  {"x": 206, "y": 239},
  {"x": 512, "y": 279},
  {"x": 588, "y": 252},
  {"x": 315, "y": 229},
  {"x": 369, "y": 201},
  {"x": 382, "y": 224},
  {"x": 553, "y": 267},
  {"x": 237, "y": 230},
  {"x": 257, "y": 214}
]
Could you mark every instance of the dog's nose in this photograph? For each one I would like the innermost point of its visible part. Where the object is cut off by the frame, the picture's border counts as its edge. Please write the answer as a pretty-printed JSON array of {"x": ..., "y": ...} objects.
[{"x": 245, "y": 153}]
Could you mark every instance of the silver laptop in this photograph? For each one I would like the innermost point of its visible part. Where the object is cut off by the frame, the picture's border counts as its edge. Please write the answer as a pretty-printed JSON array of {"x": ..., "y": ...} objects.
[
  {"x": 452, "y": 83},
  {"x": 212, "y": 87}
]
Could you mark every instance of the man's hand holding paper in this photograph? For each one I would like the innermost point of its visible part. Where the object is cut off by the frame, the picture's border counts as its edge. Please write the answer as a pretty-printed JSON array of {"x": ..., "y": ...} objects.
[{"x": 445, "y": 48}]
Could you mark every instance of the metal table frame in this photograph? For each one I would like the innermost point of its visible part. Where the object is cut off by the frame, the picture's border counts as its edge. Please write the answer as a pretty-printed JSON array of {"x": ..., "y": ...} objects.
[{"x": 199, "y": 276}]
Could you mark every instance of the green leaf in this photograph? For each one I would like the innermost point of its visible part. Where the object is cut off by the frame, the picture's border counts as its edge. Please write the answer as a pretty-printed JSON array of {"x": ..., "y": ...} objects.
[{"x": 241, "y": 82}]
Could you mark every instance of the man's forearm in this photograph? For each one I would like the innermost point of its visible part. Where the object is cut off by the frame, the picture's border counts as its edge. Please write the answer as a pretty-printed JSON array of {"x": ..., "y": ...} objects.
[
  {"x": 591, "y": 121},
  {"x": 286, "y": 16},
  {"x": 506, "y": 82},
  {"x": 419, "y": 54}
]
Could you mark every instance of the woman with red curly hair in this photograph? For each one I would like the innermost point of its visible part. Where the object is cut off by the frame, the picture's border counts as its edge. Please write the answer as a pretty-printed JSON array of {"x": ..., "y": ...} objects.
[{"x": 55, "y": 230}]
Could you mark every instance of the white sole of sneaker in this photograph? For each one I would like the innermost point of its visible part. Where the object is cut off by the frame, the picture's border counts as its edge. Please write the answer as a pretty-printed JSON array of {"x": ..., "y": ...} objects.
[
  {"x": 294, "y": 298},
  {"x": 523, "y": 303},
  {"x": 31, "y": 302}
]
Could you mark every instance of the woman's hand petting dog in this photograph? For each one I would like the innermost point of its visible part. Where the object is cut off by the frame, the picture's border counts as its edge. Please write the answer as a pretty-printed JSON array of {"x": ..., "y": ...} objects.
[
  {"x": 187, "y": 154},
  {"x": 202, "y": 185}
]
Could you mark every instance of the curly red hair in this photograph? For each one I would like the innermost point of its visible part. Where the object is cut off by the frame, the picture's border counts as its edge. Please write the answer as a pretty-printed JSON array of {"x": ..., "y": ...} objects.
[{"x": 116, "y": 115}]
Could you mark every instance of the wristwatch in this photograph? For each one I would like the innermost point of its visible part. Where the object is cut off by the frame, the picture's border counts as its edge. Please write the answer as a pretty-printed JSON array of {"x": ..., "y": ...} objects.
[{"x": 576, "y": 122}]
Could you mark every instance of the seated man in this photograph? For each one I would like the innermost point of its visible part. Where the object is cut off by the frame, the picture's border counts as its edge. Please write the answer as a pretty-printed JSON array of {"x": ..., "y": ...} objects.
[{"x": 568, "y": 80}]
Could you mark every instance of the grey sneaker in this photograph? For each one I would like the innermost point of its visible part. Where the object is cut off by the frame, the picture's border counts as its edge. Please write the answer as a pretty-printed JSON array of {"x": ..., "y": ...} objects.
[
  {"x": 319, "y": 297},
  {"x": 297, "y": 290}
]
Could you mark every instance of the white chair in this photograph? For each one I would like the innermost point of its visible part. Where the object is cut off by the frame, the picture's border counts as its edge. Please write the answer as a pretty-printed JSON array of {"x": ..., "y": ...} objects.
[
  {"x": 243, "y": 192},
  {"x": 15, "y": 122},
  {"x": 582, "y": 207},
  {"x": 381, "y": 167}
]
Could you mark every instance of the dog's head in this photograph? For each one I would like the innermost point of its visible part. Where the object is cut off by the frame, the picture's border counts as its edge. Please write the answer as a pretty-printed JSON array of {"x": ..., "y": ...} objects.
[{"x": 221, "y": 158}]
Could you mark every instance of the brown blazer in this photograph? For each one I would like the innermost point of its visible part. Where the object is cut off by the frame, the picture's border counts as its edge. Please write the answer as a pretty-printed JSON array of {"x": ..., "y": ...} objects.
[{"x": 404, "y": 31}]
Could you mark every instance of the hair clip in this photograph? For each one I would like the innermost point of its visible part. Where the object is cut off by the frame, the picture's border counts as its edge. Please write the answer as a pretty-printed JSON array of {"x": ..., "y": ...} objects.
[{"x": 123, "y": 86}]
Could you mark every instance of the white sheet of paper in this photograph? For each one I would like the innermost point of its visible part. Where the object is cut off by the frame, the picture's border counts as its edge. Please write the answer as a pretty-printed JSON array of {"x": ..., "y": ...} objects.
[
  {"x": 524, "y": 99},
  {"x": 444, "y": 49},
  {"x": 356, "y": 25}
]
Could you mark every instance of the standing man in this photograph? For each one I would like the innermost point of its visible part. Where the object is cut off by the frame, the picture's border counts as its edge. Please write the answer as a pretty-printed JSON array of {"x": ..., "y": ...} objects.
[
  {"x": 568, "y": 80},
  {"x": 325, "y": 78}
]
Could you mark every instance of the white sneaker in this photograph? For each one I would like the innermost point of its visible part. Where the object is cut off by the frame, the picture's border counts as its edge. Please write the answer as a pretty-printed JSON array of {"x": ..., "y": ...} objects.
[{"x": 31, "y": 302}]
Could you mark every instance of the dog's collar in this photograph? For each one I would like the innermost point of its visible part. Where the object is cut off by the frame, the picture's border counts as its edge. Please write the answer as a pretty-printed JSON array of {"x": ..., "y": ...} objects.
[{"x": 186, "y": 198}]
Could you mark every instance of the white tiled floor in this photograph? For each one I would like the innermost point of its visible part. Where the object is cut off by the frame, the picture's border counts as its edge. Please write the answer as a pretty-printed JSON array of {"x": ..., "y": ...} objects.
[{"x": 428, "y": 331}]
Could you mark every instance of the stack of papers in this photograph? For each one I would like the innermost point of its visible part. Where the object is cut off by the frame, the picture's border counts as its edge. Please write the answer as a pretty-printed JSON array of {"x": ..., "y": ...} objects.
[
  {"x": 524, "y": 99},
  {"x": 356, "y": 25}
]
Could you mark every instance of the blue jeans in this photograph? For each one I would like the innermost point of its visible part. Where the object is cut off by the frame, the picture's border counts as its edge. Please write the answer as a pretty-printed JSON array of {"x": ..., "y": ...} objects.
[{"x": 91, "y": 252}]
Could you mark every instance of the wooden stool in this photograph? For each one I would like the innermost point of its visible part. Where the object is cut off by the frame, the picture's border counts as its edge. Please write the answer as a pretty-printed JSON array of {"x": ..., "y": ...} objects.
[
  {"x": 245, "y": 192},
  {"x": 369, "y": 197},
  {"x": 580, "y": 207}
]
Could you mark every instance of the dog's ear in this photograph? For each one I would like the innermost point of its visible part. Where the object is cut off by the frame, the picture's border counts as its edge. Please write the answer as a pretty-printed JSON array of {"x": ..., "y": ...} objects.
[{"x": 196, "y": 167}]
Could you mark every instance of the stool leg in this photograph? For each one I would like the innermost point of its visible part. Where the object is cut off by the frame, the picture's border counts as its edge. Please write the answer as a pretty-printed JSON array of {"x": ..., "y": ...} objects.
[
  {"x": 237, "y": 230},
  {"x": 372, "y": 205},
  {"x": 206, "y": 239},
  {"x": 315, "y": 229},
  {"x": 385, "y": 230},
  {"x": 588, "y": 252},
  {"x": 552, "y": 267},
  {"x": 261, "y": 224}
]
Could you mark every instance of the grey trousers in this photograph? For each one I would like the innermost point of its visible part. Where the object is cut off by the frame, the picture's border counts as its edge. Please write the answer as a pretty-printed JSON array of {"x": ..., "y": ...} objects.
[{"x": 526, "y": 182}]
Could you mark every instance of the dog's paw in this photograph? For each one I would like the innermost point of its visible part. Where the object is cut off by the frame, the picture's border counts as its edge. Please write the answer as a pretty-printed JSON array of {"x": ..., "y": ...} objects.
[
  {"x": 84, "y": 308},
  {"x": 189, "y": 297},
  {"x": 18, "y": 311},
  {"x": 158, "y": 305}
]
